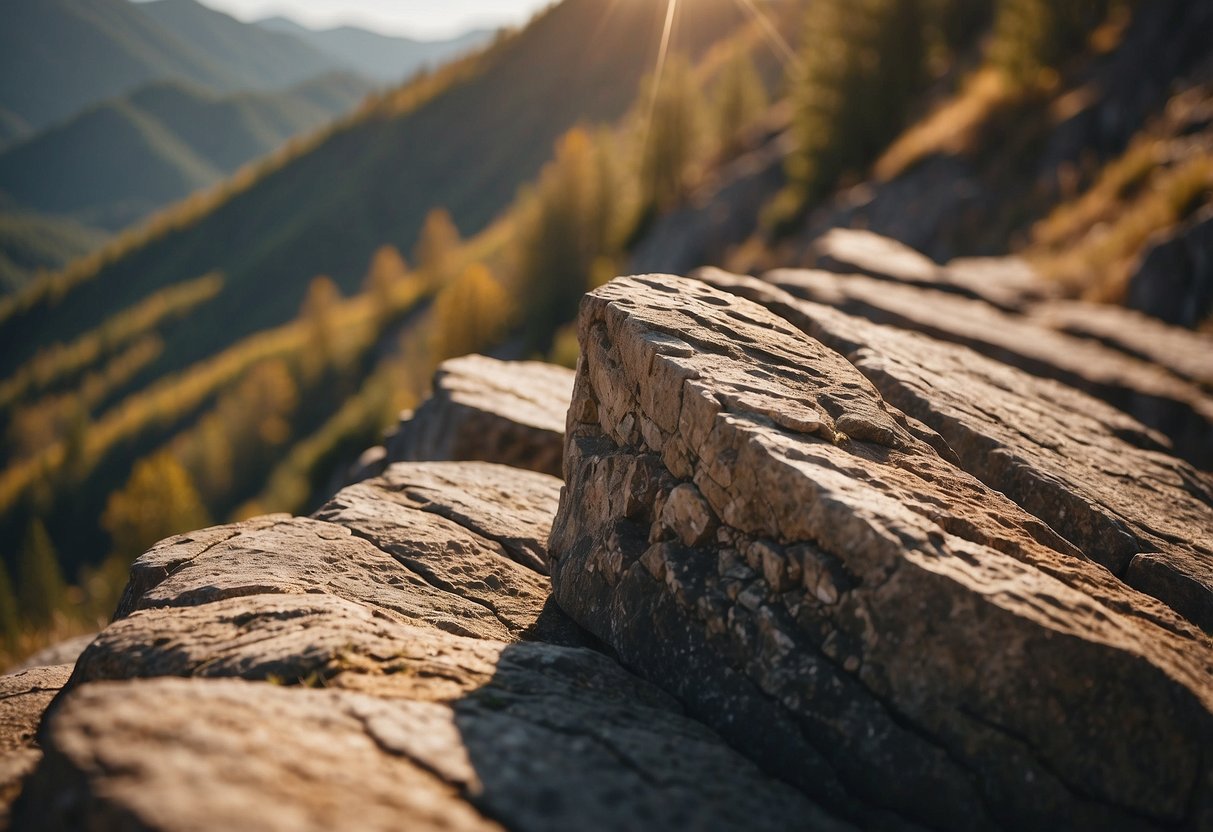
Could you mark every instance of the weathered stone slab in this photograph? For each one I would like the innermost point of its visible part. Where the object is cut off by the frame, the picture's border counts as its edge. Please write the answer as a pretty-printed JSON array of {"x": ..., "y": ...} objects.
[
  {"x": 749, "y": 525},
  {"x": 1183, "y": 352},
  {"x": 1157, "y": 397},
  {"x": 1092, "y": 473},
  {"x": 1007, "y": 283},
  {"x": 458, "y": 546},
  {"x": 24, "y": 696},
  {"x": 511, "y": 412},
  {"x": 326, "y": 684}
]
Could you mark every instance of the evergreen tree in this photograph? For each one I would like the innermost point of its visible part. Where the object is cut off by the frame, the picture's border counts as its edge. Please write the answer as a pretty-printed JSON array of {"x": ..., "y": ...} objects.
[
  {"x": 317, "y": 315},
  {"x": 571, "y": 226},
  {"x": 470, "y": 314},
  {"x": 158, "y": 501},
  {"x": 436, "y": 248},
  {"x": 1035, "y": 35},
  {"x": 387, "y": 272},
  {"x": 740, "y": 99},
  {"x": 10, "y": 621},
  {"x": 41, "y": 590},
  {"x": 674, "y": 135},
  {"x": 864, "y": 62}
]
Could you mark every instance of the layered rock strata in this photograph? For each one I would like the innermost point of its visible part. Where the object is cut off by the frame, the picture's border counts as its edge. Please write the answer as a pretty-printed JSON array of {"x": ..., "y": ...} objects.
[
  {"x": 750, "y": 525},
  {"x": 1162, "y": 399},
  {"x": 1094, "y": 474}
]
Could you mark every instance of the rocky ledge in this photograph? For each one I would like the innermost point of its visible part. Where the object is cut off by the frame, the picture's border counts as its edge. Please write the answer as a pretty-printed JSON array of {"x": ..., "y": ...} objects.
[
  {"x": 807, "y": 570},
  {"x": 753, "y": 527}
]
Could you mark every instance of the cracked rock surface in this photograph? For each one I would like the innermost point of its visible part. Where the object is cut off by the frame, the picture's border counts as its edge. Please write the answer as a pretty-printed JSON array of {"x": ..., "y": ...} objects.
[
  {"x": 1092, "y": 473},
  {"x": 394, "y": 662},
  {"x": 510, "y": 412},
  {"x": 1164, "y": 399},
  {"x": 843, "y": 602}
]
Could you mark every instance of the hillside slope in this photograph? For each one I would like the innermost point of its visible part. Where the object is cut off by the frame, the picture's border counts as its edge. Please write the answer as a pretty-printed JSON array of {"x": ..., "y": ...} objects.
[
  {"x": 380, "y": 57},
  {"x": 268, "y": 59},
  {"x": 372, "y": 181},
  {"x": 116, "y": 163},
  {"x": 58, "y": 57}
]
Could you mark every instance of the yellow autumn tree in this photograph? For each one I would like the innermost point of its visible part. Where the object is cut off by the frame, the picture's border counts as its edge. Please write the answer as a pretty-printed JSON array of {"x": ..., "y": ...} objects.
[
  {"x": 571, "y": 228},
  {"x": 386, "y": 275},
  {"x": 436, "y": 249},
  {"x": 739, "y": 99},
  {"x": 317, "y": 314},
  {"x": 470, "y": 314},
  {"x": 158, "y": 501}
]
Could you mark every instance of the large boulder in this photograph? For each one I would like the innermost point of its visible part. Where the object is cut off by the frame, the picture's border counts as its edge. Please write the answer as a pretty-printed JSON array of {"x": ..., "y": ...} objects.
[
  {"x": 1091, "y": 472},
  {"x": 392, "y": 663},
  {"x": 1161, "y": 398},
  {"x": 510, "y": 412},
  {"x": 749, "y": 525}
]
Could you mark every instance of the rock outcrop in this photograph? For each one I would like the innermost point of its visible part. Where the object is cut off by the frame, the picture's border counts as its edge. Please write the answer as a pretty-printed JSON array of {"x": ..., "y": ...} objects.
[
  {"x": 1092, "y": 473},
  {"x": 750, "y": 525},
  {"x": 1161, "y": 398},
  {"x": 509, "y": 412},
  {"x": 392, "y": 662}
]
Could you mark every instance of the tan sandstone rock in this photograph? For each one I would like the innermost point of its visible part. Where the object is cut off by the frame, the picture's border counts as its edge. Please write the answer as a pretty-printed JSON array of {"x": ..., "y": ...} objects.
[
  {"x": 511, "y": 412},
  {"x": 869, "y": 622}
]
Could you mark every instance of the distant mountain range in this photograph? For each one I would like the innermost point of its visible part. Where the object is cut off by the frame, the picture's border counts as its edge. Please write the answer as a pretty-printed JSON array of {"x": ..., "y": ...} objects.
[
  {"x": 466, "y": 142},
  {"x": 111, "y": 109},
  {"x": 117, "y": 162},
  {"x": 380, "y": 57}
]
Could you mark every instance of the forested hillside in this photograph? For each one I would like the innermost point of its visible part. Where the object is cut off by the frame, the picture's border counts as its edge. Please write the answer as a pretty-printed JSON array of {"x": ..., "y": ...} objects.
[{"x": 116, "y": 163}]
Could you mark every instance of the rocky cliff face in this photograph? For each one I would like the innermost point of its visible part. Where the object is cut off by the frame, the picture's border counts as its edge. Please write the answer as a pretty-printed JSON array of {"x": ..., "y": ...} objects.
[{"x": 806, "y": 570}]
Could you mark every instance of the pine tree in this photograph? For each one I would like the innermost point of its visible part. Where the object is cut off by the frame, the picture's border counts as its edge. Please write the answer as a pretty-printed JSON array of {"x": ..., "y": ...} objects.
[
  {"x": 10, "y": 620},
  {"x": 387, "y": 272},
  {"x": 571, "y": 225},
  {"x": 674, "y": 134},
  {"x": 470, "y": 314},
  {"x": 317, "y": 315},
  {"x": 41, "y": 590},
  {"x": 158, "y": 501},
  {"x": 740, "y": 98},
  {"x": 864, "y": 62},
  {"x": 436, "y": 248},
  {"x": 1035, "y": 35}
]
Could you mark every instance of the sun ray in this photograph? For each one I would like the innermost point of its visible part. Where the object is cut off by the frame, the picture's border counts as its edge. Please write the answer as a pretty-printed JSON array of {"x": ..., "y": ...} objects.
[
  {"x": 671, "y": 9},
  {"x": 778, "y": 43}
]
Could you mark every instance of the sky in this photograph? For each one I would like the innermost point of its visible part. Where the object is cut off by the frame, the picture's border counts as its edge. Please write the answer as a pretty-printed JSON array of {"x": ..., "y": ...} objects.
[{"x": 416, "y": 18}]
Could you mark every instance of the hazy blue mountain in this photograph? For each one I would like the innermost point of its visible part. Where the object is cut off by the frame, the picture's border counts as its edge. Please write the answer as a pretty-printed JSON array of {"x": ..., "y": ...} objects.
[
  {"x": 119, "y": 161},
  {"x": 381, "y": 57},
  {"x": 60, "y": 56},
  {"x": 263, "y": 58}
]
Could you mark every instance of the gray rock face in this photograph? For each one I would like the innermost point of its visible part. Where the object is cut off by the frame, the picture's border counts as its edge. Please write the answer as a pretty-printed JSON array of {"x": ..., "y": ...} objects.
[
  {"x": 380, "y": 667},
  {"x": 24, "y": 696},
  {"x": 1092, "y": 473},
  {"x": 510, "y": 412},
  {"x": 1161, "y": 399},
  {"x": 868, "y": 621}
]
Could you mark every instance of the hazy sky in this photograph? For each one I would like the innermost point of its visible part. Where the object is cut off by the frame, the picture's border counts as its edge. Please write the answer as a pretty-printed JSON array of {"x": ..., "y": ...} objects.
[{"x": 424, "y": 18}]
